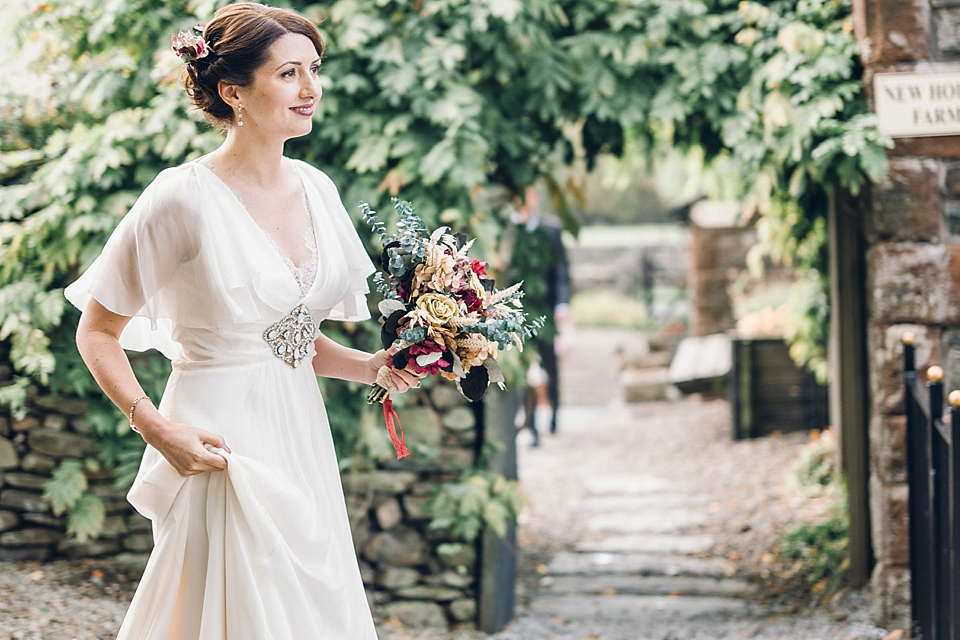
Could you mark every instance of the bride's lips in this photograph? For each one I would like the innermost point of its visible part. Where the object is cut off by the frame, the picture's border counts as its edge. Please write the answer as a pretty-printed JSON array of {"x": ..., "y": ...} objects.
[{"x": 303, "y": 110}]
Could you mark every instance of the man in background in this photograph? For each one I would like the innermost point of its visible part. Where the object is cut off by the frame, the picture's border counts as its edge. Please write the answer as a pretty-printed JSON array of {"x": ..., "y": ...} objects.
[{"x": 538, "y": 257}]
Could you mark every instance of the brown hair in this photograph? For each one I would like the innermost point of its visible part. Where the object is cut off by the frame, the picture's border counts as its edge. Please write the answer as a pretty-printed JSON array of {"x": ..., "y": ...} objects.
[{"x": 239, "y": 36}]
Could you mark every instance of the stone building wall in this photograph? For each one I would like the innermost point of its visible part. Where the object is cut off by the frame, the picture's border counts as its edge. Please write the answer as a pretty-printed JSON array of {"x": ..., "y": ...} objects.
[
  {"x": 912, "y": 241},
  {"x": 421, "y": 577},
  {"x": 30, "y": 449},
  {"x": 718, "y": 248}
]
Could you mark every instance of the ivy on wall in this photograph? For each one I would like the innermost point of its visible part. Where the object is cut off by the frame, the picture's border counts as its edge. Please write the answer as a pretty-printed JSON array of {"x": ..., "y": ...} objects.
[{"x": 446, "y": 103}]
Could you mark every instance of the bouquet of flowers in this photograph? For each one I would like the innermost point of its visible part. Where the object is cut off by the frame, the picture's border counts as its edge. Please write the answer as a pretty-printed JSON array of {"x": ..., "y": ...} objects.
[{"x": 441, "y": 310}]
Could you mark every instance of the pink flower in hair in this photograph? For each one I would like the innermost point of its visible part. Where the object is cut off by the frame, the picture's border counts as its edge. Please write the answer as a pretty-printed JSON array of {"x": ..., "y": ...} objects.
[{"x": 190, "y": 47}]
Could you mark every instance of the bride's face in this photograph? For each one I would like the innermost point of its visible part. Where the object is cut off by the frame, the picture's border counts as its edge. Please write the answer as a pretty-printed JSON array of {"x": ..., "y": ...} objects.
[{"x": 285, "y": 89}]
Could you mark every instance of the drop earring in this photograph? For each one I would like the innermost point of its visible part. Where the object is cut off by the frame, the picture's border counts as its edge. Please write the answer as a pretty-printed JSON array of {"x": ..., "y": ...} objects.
[{"x": 240, "y": 115}]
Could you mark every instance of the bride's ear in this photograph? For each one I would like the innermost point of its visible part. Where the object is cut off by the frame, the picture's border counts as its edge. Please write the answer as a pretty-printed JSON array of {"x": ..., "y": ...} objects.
[{"x": 229, "y": 93}]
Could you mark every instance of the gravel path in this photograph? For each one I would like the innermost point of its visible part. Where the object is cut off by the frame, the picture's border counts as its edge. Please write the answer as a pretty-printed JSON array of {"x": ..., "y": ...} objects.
[{"x": 645, "y": 522}]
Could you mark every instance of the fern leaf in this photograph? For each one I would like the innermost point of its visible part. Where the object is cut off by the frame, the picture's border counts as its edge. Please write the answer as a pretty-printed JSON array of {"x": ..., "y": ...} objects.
[
  {"x": 65, "y": 486},
  {"x": 86, "y": 518}
]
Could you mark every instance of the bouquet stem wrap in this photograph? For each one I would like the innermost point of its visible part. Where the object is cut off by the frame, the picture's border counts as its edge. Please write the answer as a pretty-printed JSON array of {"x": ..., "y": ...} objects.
[
  {"x": 381, "y": 393},
  {"x": 389, "y": 417}
]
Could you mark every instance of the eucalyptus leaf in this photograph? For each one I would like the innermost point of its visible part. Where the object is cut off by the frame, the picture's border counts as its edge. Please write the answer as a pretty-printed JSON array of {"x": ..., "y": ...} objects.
[{"x": 413, "y": 334}]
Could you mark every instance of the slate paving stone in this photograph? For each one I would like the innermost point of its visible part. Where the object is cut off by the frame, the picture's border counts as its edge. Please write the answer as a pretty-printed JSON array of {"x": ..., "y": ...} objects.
[
  {"x": 647, "y": 585},
  {"x": 629, "y": 504},
  {"x": 625, "y": 485},
  {"x": 568, "y": 562},
  {"x": 659, "y": 521},
  {"x": 648, "y": 543},
  {"x": 637, "y": 608}
]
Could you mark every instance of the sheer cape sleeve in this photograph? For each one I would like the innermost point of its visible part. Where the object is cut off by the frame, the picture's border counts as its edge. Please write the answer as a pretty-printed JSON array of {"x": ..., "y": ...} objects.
[
  {"x": 187, "y": 256},
  {"x": 134, "y": 274},
  {"x": 350, "y": 303}
]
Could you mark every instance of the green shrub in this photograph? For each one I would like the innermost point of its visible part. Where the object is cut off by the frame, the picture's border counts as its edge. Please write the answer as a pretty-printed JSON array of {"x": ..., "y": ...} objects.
[{"x": 815, "y": 555}]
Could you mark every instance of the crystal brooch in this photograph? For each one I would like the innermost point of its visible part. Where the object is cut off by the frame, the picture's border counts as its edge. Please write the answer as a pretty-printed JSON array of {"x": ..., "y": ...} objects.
[{"x": 290, "y": 337}]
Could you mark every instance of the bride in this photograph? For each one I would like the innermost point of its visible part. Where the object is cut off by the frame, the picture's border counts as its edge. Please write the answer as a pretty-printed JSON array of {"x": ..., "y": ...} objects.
[{"x": 227, "y": 265}]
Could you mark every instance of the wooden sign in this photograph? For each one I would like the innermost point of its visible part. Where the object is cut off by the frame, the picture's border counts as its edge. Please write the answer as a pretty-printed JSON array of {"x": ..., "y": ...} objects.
[{"x": 918, "y": 104}]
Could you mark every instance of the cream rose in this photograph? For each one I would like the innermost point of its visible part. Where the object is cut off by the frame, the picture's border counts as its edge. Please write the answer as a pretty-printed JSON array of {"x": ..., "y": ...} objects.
[{"x": 437, "y": 308}]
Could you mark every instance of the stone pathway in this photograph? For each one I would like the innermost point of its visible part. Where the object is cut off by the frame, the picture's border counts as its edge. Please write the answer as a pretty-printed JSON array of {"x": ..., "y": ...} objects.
[
  {"x": 637, "y": 512},
  {"x": 640, "y": 558},
  {"x": 638, "y": 553}
]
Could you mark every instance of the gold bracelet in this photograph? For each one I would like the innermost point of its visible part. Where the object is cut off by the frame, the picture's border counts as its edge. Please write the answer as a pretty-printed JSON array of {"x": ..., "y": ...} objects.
[{"x": 133, "y": 407}]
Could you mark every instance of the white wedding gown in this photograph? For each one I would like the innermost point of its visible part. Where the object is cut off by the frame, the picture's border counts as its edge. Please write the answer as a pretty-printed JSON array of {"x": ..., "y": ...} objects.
[{"x": 262, "y": 550}]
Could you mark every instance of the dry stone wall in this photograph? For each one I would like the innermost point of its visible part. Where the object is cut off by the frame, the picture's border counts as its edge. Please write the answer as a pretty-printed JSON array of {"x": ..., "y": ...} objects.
[
  {"x": 421, "y": 577},
  {"x": 30, "y": 449}
]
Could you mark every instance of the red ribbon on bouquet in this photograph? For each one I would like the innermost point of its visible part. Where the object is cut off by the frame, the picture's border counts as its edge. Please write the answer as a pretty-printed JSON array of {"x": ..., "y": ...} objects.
[{"x": 390, "y": 416}]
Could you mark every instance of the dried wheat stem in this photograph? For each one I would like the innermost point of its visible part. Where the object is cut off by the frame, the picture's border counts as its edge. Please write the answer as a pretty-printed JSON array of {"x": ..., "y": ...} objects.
[{"x": 505, "y": 293}]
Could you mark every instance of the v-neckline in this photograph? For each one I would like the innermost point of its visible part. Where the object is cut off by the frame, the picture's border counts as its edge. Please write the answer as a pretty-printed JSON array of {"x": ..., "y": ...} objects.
[{"x": 265, "y": 235}]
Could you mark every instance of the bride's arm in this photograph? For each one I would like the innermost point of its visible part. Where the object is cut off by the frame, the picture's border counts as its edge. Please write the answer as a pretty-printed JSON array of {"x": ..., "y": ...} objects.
[
  {"x": 333, "y": 360},
  {"x": 98, "y": 339}
]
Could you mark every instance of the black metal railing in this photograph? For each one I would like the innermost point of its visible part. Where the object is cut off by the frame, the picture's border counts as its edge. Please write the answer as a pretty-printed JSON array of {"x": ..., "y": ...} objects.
[{"x": 933, "y": 474}]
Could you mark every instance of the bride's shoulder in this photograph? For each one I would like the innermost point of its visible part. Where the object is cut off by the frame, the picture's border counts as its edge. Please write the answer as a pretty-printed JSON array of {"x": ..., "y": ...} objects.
[
  {"x": 173, "y": 193},
  {"x": 319, "y": 177}
]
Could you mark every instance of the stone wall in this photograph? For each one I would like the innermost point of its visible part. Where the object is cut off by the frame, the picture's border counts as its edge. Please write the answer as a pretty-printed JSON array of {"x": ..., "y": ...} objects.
[
  {"x": 911, "y": 222},
  {"x": 30, "y": 448},
  {"x": 421, "y": 577},
  {"x": 628, "y": 268}
]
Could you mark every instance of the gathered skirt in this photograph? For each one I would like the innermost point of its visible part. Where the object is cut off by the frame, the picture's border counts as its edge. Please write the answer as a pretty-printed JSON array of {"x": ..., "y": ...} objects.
[{"x": 262, "y": 550}]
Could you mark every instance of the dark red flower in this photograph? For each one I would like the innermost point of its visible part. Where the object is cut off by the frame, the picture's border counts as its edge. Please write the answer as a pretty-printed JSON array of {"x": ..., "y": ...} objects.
[
  {"x": 403, "y": 289},
  {"x": 471, "y": 299},
  {"x": 425, "y": 348},
  {"x": 479, "y": 267}
]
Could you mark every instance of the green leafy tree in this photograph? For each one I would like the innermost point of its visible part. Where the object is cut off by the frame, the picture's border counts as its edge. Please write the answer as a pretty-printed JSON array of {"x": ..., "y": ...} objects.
[
  {"x": 451, "y": 104},
  {"x": 430, "y": 100},
  {"x": 770, "y": 91}
]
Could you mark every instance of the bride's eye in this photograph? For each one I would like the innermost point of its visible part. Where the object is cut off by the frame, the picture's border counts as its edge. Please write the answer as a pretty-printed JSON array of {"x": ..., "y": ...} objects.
[
  {"x": 288, "y": 73},
  {"x": 315, "y": 69}
]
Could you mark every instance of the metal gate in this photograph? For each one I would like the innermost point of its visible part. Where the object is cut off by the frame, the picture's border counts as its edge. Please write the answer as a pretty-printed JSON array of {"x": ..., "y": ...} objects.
[{"x": 933, "y": 474}]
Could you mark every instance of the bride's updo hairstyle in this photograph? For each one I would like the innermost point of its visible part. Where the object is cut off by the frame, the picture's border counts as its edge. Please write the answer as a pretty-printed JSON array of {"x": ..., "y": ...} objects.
[{"x": 239, "y": 37}]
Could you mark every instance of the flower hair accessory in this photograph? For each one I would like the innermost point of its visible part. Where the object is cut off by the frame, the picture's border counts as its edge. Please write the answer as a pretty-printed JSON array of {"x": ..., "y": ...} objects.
[{"x": 191, "y": 47}]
